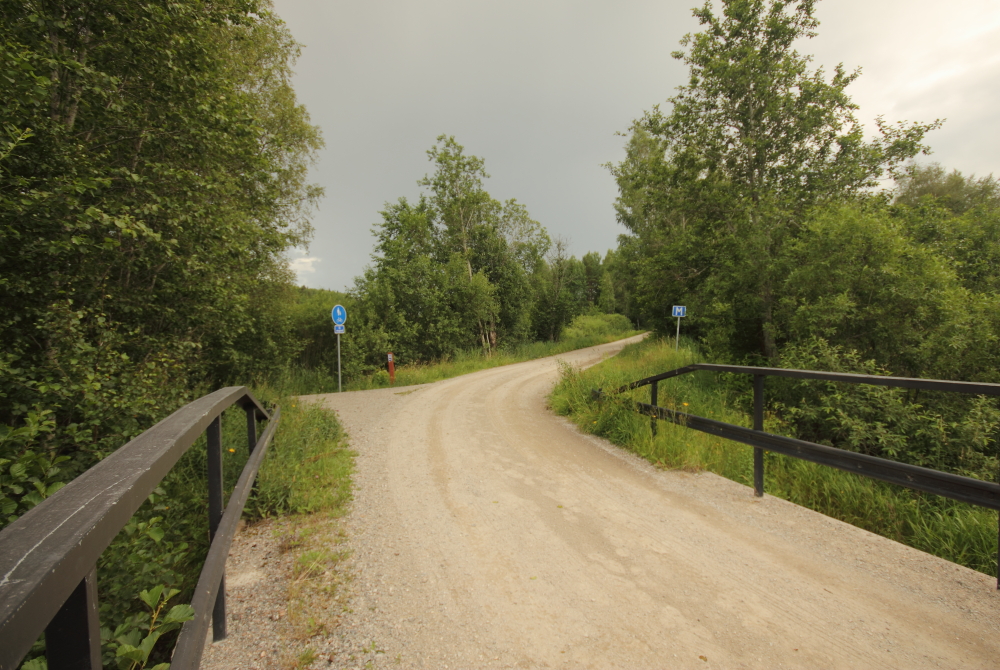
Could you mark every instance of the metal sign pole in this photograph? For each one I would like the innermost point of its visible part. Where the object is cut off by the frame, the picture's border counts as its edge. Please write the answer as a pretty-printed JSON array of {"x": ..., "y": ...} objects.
[
  {"x": 679, "y": 311},
  {"x": 339, "y": 315}
]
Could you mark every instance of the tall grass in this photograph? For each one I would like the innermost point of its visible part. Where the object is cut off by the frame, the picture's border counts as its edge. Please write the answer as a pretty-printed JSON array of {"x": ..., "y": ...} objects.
[
  {"x": 584, "y": 331},
  {"x": 958, "y": 532},
  {"x": 308, "y": 467}
]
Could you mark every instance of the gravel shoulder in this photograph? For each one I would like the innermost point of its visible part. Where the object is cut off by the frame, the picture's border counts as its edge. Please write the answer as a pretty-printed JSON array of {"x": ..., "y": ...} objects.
[{"x": 488, "y": 533}]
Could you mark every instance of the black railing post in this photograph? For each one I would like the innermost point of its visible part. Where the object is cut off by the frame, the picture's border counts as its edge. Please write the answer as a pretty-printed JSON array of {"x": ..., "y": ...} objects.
[
  {"x": 758, "y": 424},
  {"x": 653, "y": 391},
  {"x": 215, "y": 511},
  {"x": 73, "y": 637},
  {"x": 251, "y": 427}
]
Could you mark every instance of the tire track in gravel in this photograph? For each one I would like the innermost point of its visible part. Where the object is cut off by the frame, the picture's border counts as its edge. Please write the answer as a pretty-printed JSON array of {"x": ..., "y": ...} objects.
[{"x": 489, "y": 533}]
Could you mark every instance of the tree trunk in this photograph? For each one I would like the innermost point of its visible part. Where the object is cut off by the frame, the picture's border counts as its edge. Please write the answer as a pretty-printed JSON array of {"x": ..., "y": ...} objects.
[{"x": 768, "y": 347}]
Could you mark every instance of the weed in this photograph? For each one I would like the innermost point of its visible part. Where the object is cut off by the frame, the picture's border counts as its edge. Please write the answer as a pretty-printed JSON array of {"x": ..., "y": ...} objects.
[
  {"x": 308, "y": 656},
  {"x": 316, "y": 599}
]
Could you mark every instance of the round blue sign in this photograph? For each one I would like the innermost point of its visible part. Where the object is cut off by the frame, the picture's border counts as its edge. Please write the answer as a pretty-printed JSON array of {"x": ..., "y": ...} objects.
[{"x": 339, "y": 315}]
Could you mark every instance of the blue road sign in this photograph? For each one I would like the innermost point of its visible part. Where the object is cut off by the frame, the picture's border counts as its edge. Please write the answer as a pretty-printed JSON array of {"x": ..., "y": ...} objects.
[
  {"x": 338, "y": 329},
  {"x": 679, "y": 310},
  {"x": 339, "y": 315}
]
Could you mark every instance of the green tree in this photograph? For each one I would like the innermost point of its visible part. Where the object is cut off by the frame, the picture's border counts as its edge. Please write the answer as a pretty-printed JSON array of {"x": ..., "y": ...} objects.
[
  {"x": 526, "y": 239},
  {"x": 951, "y": 190},
  {"x": 592, "y": 276},
  {"x": 313, "y": 327},
  {"x": 411, "y": 295},
  {"x": 153, "y": 164},
  {"x": 559, "y": 293},
  {"x": 499, "y": 241},
  {"x": 715, "y": 188},
  {"x": 463, "y": 206},
  {"x": 859, "y": 280},
  {"x": 606, "y": 302}
]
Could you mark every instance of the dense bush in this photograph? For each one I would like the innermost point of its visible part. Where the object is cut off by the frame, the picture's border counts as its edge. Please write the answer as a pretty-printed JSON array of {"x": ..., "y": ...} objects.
[{"x": 152, "y": 176}]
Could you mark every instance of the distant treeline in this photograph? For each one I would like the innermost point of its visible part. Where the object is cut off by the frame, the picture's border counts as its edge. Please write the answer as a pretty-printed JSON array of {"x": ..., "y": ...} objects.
[{"x": 454, "y": 271}]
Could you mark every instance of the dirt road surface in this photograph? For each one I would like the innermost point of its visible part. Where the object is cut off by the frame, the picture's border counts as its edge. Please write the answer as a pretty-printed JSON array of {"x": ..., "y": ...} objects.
[{"x": 489, "y": 533}]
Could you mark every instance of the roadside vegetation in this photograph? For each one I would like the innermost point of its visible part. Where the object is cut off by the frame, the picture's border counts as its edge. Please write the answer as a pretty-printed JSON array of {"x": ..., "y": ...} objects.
[
  {"x": 958, "y": 532},
  {"x": 586, "y": 330},
  {"x": 146, "y": 205}
]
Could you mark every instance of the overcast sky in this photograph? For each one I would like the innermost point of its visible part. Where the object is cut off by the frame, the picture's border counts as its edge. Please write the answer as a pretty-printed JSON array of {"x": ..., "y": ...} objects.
[{"x": 539, "y": 89}]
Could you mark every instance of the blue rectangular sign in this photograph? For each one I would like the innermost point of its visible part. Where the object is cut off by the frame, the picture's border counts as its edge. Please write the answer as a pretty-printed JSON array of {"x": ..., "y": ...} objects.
[
  {"x": 680, "y": 310},
  {"x": 338, "y": 329}
]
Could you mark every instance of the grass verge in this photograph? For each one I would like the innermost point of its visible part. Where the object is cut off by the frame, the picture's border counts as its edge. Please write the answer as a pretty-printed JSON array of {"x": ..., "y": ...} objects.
[
  {"x": 958, "y": 532},
  {"x": 307, "y": 479},
  {"x": 308, "y": 466},
  {"x": 585, "y": 331}
]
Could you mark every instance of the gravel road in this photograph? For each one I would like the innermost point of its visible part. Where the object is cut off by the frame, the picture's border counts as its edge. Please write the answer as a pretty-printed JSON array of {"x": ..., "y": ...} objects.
[{"x": 488, "y": 533}]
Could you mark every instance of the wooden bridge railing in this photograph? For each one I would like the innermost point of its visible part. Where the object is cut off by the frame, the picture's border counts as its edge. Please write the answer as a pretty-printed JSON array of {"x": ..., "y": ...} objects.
[{"x": 48, "y": 556}]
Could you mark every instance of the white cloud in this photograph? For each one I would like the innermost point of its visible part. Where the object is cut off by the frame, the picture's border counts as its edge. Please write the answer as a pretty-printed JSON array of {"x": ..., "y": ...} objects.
[{"x": 303, "y": 266}]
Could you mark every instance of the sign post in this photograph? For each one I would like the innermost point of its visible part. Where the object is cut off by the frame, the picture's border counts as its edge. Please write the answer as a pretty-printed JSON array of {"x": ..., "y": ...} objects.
[
  {"x": 680, "y": 311},
  {"x": 392, "y": 370},
  {"x": 339, "y": 315}
]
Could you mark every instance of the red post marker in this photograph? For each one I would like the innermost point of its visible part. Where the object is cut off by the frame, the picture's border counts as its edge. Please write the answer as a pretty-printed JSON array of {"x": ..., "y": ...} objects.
[{"x": 392, "y": 370}]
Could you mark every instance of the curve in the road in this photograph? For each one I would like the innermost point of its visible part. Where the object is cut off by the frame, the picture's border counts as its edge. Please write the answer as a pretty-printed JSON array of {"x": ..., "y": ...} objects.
[{"x": 490, "y": 533}]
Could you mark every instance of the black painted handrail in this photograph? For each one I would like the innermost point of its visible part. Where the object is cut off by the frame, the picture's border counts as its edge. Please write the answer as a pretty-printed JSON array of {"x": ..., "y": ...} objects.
[
  {"x": 975, "y": 388},
  {"x": 48, "y": 555},
  {"x": 191, "y": 642},
  {"x": 956, "y": 487}
]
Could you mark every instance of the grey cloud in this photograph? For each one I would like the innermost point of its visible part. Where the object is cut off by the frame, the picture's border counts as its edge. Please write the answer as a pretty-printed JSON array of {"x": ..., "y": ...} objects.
[{"x": 539, "y": 88}]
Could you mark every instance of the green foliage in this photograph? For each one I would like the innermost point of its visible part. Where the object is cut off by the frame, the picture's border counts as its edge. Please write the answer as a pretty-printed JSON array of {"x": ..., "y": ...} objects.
[
  {"x": 153, "y": 164},
  {"x": 596, "y": 325},
  {"x": 152, "y": 177},
  {"x": 459, "y": 270},
  {"x": 420, "y": 300},
  {"x": 156, "y": 193},
  {"x": 308, "y": 466},
  {"x": 752, "y": 202},
  {"x": 881, "y": 421},
  {"x": 312, "y": 326},
  {"x": 307, "y": 470},
  {"x": 715, "y": 190},
  {"x": 560, "y": 293},
  {"x": 132, "y": 642},
  {"x": 932, "y": 184},
  {"x": 856, "y": 278},
  {"x": 27, "y": 477}
]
